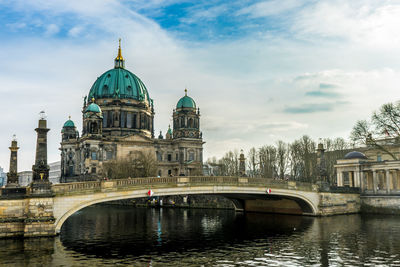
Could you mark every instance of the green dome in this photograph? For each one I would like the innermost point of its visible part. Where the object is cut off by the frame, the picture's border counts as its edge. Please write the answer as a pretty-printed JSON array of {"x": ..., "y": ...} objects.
[
  {"x": 121, "y": 84},
  {"x": 69, "y": 123},
  {"x": 186, "y": 102},
  {"x": 93, "y": 108}
]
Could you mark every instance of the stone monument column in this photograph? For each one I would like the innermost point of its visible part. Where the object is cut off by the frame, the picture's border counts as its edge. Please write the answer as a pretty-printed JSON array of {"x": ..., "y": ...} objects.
[
  {"x": 242, "y": 164},
  {"x": 40, "y": 180},
  {"x": 13, "y": 190},
  {"x": 12, "y": 175}
]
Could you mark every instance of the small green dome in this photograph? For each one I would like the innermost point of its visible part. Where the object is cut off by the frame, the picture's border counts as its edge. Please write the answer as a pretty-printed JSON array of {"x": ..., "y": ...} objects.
[
  {"x": 69, "y": 123},
  {"x": 93, "y": 107},
  {"x": 121, "y": 84},
  {"x": 186, "y": 102}
]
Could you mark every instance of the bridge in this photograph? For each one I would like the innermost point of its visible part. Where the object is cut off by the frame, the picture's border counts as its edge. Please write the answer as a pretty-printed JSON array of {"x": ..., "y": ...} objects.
[{"x": 43, "y": 215}]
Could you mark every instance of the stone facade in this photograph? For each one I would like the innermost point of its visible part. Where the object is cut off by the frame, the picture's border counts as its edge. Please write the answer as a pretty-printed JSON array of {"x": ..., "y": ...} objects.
[
  {"x": 118, "y": 123},
  {"x": 372, "y": 177}
]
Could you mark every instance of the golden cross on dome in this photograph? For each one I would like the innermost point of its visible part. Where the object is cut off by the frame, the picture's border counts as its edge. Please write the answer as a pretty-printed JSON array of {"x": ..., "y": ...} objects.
[
  {"x": 185, "y": 92},
  {"x": 119, "y": 57}
]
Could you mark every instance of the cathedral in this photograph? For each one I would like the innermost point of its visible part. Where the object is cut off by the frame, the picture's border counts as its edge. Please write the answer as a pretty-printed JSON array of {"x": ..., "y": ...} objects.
[{"x": 118, "y": 123}]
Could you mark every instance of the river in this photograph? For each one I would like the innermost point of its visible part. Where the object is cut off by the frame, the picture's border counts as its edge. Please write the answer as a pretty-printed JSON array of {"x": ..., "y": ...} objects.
[{"x": 122, "y": 235}]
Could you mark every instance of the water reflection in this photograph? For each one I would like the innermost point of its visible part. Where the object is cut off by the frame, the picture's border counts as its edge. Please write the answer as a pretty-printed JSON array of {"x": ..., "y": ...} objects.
[{"x": 105, "y": 235}]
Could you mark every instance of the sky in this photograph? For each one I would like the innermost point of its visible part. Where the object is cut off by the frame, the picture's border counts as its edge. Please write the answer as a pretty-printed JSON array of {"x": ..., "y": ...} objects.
[{"x": 260, "y": 71}]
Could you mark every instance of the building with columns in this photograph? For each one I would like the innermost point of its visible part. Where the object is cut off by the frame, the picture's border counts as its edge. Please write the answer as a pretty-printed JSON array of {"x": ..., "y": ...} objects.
[
  {"x": 118, "y": 123},
  {"x": 370, "y": 175}
]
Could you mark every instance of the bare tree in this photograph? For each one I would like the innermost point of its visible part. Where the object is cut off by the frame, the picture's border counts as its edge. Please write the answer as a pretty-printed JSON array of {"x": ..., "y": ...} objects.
[
  {"x": 267, "y": 161},
  {"x": 282, "y": 152},
  {"x": 252, "y": 162},
  {"x": 141, "y": 164},
  {"x": 363, "y": 133}
]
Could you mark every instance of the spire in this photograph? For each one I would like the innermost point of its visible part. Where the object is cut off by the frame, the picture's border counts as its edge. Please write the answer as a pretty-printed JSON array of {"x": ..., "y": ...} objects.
[
  {"x": 185, "y": 92},
  {"x": 119, "y": 60}
]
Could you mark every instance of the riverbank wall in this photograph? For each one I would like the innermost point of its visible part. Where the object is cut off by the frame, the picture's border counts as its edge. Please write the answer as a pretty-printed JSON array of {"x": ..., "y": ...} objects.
[{"x": 389, "y": 204}]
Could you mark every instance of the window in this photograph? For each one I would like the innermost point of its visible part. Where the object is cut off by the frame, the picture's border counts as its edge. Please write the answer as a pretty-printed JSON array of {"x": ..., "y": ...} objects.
[
  {"x": 123, "y": 119},
  {"x": 159, "y": 173},
  {"x": 169, "y": 172},
  {"x": 109, "y": 155},
  {"x": 105, "y": 117},
  {"x": 176, "y": 156},
  {"x": 94, "y": 155},
  {"x": 93, "y": 169},
  {"x": 191, "y": 155},
  {"x": 134, "y": 121},
  {"x": 129, "y": 120},
  {"x": 169, "y": 157},
  {"x": 379, "y": 158},
  {"x": 159, "y": 156}
]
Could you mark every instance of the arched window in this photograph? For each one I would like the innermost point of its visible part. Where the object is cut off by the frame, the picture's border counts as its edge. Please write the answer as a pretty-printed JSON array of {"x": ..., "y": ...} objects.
[
  {"x": 191, "y": 155},
  {"x": 190, "y": 123}
]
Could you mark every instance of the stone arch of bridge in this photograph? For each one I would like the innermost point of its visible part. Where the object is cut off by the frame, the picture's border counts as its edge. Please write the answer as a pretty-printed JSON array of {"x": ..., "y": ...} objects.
[{"x": 67, "y": 205}]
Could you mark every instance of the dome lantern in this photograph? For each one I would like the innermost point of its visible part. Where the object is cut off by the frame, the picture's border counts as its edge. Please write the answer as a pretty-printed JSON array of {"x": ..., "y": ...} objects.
[{"x": 119, "y": 60}]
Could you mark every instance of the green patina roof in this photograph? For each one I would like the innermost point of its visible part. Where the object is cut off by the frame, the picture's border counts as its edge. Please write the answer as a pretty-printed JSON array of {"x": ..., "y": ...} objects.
[
  {"x": 69, "y": 123},
  {"x": 93, "y": 108},
  {"x": 186, "y": 102},
  {"x": 121, "y": 84}
]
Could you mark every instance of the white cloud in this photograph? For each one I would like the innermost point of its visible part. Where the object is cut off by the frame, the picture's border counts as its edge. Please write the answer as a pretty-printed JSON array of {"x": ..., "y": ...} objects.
[
  {"x": 52, "y": 29},
  {"x": 269, "y": 8}
]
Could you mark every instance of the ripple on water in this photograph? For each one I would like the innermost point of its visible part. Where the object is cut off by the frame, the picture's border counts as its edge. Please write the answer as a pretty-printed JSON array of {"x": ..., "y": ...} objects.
[{"x": 108, "y": 235}]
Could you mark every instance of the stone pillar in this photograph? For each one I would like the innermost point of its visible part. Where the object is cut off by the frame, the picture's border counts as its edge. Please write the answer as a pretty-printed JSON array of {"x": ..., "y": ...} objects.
[
  {"x": 12, "y": 189},
  {"x": 242, "y": 164},
  {"x": 357, "y": 181},
  {"x": 40, "y": 183},
  {"x": 340, "y": 178},
  {"x": 321, "y": 164},
  {"x": 362, "y": 181},
  {"x": 387, "y": 176},
  {"x": 374, "y": 181},
  {"x": 12, "y": 175}
]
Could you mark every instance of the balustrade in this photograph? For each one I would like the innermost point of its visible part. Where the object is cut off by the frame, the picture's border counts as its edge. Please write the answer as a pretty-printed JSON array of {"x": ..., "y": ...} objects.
[{"x": 133, "y": 182}]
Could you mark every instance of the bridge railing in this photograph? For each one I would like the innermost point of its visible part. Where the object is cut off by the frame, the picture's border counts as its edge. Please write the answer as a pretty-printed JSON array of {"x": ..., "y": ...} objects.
[
  {"x": 117, "y": 184},
  {"x": 142, "y": 181},
  {"x": 77, "y": 186}
]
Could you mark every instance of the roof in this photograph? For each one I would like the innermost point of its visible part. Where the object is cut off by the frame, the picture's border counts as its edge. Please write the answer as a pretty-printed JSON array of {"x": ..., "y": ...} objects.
[
  {"x": 93, "y": 107},
  {"x": 119, "y": 83},
  {"x": 355, "y": 155},
  {"x": 69, "y": 123},
  {"x": 186, "y": 102}
]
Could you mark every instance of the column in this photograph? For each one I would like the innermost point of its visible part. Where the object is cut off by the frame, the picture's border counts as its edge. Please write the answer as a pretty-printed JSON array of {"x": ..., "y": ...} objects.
[
  {"x": 362, "y": 181},
  {"x": 387, "y": 176},
  {"x": 12, "y": 175},
  {"x": 340, "y": 178},
  {"x": 357, "y": 181},
  {"x": 40, "y": 181},
  {"x": 374, "y": 181}
]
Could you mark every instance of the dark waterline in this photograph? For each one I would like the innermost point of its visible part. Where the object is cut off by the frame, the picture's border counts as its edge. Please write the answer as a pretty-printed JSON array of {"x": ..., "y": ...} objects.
[{"x": 112, "y": 235}]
